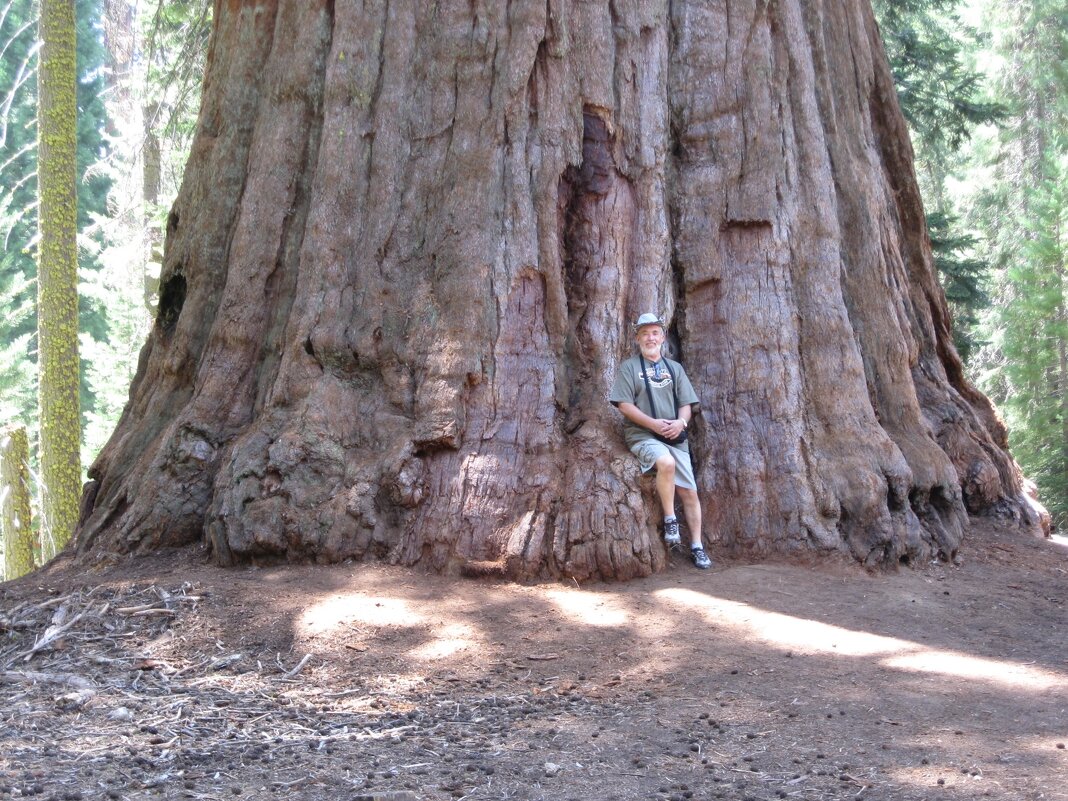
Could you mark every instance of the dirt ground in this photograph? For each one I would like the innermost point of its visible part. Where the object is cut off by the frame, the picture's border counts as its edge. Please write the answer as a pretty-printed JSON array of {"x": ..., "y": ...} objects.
[{"x": 165, "y": 677}]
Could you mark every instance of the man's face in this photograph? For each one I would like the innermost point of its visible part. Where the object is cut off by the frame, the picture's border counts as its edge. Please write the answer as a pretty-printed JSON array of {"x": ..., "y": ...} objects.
[{"x": 650, "y": 338}]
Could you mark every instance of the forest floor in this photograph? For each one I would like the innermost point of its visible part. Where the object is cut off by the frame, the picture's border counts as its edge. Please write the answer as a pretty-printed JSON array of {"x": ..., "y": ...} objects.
[{"x": 166, "y": 677}]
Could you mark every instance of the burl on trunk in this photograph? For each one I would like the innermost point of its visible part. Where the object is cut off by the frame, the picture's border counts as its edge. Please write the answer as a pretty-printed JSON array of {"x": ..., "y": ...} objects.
[{"x": 399, "y": 276}]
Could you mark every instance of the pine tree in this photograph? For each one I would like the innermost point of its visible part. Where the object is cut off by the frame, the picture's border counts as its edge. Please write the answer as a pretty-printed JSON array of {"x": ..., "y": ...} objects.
[
  {"x": 18, "y": 211},
  {"x": 943, "y": 98},
  {"x": 1023, "y": 207},
  {"x": 963, "y": 278},
  {"x": 941, "y": 95}
]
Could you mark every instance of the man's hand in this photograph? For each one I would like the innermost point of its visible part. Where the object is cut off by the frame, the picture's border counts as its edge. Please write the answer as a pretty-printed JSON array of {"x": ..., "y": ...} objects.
[
  {"x": 670, "y": 429},
  {"x": 665, "y": 428}
]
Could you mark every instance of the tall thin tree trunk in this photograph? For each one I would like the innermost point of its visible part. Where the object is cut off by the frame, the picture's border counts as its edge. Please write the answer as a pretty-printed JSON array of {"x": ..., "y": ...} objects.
[
  {"x": 1062, "y": 343},
  {"x": 151, "y": 173},
  {"x": 15, "y": 502},
  {"x": 57, "y": 277},
  {"x": 400, "y": 273}
]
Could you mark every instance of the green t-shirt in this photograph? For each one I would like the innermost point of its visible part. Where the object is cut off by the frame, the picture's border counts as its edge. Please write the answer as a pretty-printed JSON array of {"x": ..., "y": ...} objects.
[{"x": 629, "y": 387}]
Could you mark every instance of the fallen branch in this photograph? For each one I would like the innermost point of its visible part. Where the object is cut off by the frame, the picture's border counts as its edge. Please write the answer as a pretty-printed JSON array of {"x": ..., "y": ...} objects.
[
  {"x": 130, "y": 610},
  {"x": 47, "y": 678},
  {"x": 51, "y": 634}
]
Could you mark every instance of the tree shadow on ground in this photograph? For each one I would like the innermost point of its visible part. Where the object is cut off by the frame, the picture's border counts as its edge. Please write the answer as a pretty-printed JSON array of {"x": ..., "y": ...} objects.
[{"x": 753, "y": 681}]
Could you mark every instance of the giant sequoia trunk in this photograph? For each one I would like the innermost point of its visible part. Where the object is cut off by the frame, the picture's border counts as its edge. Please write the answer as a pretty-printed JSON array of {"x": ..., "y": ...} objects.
[{"x": 399, "y": 276}]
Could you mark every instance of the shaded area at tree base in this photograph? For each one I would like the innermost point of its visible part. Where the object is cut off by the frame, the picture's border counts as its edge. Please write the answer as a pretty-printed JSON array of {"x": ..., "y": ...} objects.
[{"x": 752, "y": 680}]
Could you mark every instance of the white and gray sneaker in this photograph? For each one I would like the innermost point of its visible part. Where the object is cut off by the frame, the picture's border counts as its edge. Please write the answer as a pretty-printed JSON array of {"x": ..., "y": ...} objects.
[
  {"x": 700, "y": 558},
  {"x": 671, "y": 533}
]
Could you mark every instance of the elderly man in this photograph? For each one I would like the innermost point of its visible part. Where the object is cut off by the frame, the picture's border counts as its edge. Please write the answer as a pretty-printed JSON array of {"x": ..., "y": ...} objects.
[{"x": 657, "y": 402}]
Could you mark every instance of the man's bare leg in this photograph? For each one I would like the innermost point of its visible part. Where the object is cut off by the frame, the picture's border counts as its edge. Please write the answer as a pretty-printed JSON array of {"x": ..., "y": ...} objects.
[
  {"x": 665, "y": 488},
  {"x": 665, "y": 483},
  {"x": 691, "y": 507}
]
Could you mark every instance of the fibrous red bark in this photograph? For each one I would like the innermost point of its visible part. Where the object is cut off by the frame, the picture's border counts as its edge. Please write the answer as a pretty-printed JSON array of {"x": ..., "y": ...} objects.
[{"x": 400, "y": 274}]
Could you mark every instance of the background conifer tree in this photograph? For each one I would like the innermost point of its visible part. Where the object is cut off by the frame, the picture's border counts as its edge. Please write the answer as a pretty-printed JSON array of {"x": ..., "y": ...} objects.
[{"x": 57, "y": 276}]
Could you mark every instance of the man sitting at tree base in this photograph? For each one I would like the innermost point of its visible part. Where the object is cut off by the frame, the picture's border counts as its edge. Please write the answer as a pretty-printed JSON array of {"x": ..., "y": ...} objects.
[{"x": 657, "y": 401}]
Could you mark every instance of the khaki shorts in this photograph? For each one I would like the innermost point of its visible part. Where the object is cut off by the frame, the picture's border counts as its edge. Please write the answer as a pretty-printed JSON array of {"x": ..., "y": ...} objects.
[{"x": 649, "y": 450}]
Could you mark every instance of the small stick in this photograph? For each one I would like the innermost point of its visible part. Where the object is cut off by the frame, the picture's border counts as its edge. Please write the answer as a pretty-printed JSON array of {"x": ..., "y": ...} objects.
[{"x": 298, "y": 668}]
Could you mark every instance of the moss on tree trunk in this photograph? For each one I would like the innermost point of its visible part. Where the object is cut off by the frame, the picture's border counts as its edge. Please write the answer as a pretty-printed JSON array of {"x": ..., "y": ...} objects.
[
  {"x": 15, "y": 503},
  {"x": 57, "y": 277}
]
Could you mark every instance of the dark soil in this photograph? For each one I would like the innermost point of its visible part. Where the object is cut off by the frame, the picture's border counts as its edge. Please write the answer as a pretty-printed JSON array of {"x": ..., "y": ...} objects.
[{"x": 751, "y": 681}]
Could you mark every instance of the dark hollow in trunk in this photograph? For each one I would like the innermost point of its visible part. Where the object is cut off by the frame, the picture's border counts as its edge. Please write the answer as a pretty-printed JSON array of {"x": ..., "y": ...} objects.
[{"x": 400, "y": 273}]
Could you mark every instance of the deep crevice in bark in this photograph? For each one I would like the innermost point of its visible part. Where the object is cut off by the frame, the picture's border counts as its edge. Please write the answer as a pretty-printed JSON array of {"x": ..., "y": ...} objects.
[{"x": 171, "y": 300}]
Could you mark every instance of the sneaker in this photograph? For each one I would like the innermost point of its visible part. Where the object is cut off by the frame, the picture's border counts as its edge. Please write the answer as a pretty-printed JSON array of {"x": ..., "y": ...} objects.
[
  {"x": 671, "y": 533},
  {"x": 700, "y": 558}
]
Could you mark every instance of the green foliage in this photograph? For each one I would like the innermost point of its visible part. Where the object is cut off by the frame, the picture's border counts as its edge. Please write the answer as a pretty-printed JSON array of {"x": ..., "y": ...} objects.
[
  {"x": 962, "y": 276},
  {"x": 942, "y": 97},
  {"x": 17, "y": 385},
  {"x": 111, "y": 362},
  {"x": 1020, "y": 203},
  {"x": 18, "y": 204},
  {"x": 1034, "y": 343},
  {"x": 176, "y": 36},
  {"x": 93, "y": 184}
]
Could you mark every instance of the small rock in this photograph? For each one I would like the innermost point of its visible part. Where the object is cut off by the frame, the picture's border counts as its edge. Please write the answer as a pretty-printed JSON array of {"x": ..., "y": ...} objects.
[
  {"x": 120, "y": 713},
  {"x": 551, "y": 768}
]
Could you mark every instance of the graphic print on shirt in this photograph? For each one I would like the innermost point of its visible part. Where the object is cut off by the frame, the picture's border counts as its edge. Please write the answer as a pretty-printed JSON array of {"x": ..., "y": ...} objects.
[{"x": 658, "y": 378}]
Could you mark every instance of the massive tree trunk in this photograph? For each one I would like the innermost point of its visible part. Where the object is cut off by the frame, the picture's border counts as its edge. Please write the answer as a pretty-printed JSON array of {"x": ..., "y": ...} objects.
[{"x": 399, "y": 275}]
